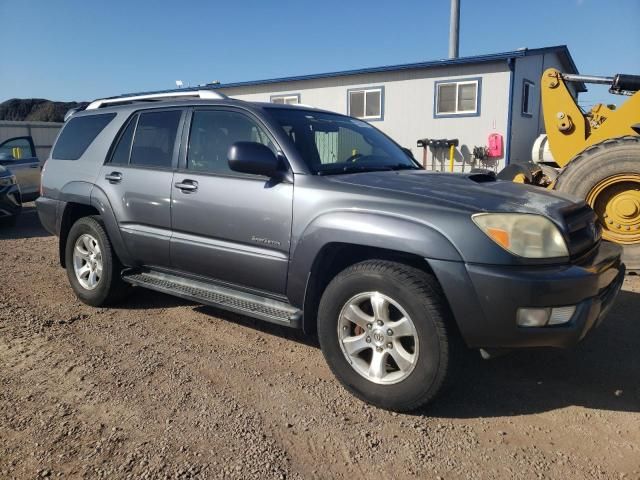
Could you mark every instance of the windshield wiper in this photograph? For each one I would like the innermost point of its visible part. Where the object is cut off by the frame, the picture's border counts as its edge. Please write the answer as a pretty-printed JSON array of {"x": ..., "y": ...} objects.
[
  {"x": 403, "y": 166},
  {"x": 355, "y": 168}
]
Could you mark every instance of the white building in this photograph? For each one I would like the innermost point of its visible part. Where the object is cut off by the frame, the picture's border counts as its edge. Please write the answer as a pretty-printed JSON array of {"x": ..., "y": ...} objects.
[{"x": 465, "y": 98}]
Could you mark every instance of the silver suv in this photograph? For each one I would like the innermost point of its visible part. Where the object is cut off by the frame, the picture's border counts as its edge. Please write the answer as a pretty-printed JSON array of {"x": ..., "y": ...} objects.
[{"x": 319, "y": 221}]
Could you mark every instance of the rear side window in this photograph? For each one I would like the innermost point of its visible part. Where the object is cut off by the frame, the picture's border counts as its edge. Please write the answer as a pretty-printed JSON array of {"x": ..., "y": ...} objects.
[
  {"x": 122, "y": 151},
  {"x": 155, "y": 137},
  {"x": 78, "y": 134}
]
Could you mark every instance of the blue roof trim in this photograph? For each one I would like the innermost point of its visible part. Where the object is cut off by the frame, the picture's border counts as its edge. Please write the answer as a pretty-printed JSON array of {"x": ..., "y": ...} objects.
[{"x": 562, "y": 50}]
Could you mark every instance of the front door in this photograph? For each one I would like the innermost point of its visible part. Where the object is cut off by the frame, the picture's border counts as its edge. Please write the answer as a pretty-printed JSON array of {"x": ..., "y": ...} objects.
[
  {"x": 137, "y": 180},
  {"x": 229, "y": 226},
  {"x": 19, "y": 156}
]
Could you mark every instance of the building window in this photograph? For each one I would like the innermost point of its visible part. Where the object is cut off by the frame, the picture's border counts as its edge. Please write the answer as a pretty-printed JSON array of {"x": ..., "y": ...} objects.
[
  {"x": 366, "y": 103},
  {"x": 527, "y": 98},
  {"x": 457, "y": 98},
  {"x": 288, "y": 99}
]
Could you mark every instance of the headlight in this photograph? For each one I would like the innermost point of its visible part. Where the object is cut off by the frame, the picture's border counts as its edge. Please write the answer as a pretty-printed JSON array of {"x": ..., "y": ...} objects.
[
  {"x": 6, "y": 181},
  {"x": 523, "y": 234}
]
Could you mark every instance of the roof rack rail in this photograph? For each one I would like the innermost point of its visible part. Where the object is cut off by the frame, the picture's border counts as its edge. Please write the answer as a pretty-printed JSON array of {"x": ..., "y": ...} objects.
[{"x": 197, "y": 92}]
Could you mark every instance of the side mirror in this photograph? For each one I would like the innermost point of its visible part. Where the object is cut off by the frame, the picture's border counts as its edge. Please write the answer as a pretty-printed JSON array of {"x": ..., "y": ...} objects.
[{"x": 253, "y": 158}]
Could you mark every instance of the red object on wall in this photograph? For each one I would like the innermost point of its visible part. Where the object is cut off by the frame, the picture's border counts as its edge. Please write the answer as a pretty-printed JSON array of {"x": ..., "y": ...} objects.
[{"x": 495, "y": 146}]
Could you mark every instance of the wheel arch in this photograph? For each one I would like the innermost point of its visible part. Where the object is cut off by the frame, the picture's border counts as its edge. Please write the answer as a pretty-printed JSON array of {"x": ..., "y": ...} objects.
[
  {"x": 334, "y": 242},
  {"x": 86, "y": 200}
]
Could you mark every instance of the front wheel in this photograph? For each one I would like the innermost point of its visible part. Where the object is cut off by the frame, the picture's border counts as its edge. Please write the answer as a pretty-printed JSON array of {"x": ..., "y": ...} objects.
[
  {"x": 9, "y": 221},
  {"x": 382, "y": 328}
]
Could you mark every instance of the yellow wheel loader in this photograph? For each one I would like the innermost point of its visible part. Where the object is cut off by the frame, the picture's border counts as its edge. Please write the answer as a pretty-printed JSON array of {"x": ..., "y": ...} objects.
[{"x": 595, "y": 155}]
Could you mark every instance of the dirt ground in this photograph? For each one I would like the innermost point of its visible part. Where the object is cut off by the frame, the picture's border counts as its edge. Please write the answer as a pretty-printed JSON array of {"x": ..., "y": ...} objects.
[{"x": 164, "y": 388}]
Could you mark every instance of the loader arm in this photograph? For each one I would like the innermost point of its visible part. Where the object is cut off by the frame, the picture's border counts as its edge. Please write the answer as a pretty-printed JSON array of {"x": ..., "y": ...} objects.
[{"x": 570, "y": 131}]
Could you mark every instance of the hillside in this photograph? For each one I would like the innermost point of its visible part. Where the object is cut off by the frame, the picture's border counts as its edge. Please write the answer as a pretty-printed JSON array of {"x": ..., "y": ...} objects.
[{"x": 35, "y": 109}]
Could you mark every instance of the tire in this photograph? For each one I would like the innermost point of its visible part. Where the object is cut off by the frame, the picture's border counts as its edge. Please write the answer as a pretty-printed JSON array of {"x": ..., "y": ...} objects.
[
  {"x": 109, "y": 288},
  {"x": 9, "y": 221},
  {"x": 596, "y": 165},
  {"x": 418, "y": 296}
]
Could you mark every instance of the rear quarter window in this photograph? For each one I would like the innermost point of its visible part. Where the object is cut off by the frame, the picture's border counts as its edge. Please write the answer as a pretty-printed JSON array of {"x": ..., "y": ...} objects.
[{"x": 78, "y": 134}]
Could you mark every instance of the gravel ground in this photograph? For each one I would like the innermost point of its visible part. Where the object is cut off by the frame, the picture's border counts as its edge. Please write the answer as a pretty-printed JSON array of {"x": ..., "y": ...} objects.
[{"x": 164, "y": 388}]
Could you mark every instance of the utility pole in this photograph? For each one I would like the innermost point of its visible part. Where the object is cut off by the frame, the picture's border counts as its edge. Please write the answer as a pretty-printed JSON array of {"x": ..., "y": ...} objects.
[{"x": 454, "y": 29}]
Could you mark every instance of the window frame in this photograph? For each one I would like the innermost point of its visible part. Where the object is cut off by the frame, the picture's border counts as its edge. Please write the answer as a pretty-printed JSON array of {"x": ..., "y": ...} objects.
[
  {"x": 527, "y": 83},
  {"x": 457, "y": 82},
  {"x": 377, "y": 88},
  {"x": 186, "y": 134},
  {"x": 285, "y": 96},
  {"x": 135, "y": 116}
]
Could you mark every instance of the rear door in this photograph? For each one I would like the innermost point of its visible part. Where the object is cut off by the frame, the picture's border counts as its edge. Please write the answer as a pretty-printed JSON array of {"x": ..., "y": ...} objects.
[
  {"x": 137, "y": 180},
  {"x": 229, "y": 226},
  {"x": 18, "y": 154}
]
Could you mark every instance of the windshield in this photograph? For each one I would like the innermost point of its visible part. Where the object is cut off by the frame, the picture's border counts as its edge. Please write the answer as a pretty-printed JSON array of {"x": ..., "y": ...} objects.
[{"x": 332, "y": 144}]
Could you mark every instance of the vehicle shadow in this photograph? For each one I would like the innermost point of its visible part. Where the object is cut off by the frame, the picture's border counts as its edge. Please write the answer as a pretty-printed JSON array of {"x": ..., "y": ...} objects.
[
  {"x": 28, "y": 226},
  {"x": 281, "y": 331},
  {"x": 602, "y": 373},
  {"x": 142, "y": 299}
]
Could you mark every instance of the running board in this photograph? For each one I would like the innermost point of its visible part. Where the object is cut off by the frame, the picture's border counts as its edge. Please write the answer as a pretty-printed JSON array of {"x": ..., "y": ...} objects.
[{"x": 217, "y": 296}]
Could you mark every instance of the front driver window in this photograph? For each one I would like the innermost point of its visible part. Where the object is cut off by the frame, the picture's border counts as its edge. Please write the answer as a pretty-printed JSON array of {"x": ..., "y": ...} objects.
[{"x": 213, "y": 133}]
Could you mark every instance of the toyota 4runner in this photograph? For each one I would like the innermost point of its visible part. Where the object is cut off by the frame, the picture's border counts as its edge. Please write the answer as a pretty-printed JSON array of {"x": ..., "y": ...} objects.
[{"x": 319, "y": 221}]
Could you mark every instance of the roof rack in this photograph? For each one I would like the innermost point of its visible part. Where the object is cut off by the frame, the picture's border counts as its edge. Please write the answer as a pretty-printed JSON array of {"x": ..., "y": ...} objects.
[{"x": 160, "y": 95}]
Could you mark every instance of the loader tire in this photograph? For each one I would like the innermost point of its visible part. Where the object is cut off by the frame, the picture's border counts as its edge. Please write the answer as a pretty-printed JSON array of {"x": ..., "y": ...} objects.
[{"x": 607, "y": 177}]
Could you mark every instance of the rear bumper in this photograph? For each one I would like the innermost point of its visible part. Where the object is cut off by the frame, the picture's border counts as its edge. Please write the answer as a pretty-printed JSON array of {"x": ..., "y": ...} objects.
[
  {"x": 10, "y": 201},
  {"x": 47, "y": 209},
  {"x": 485, "y": 298}
]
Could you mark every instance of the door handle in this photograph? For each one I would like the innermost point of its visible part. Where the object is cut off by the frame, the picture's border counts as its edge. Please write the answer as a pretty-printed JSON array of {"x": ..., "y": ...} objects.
[
  {"x": 187, "y": 186},
  {"x": 113, "y": 177}
]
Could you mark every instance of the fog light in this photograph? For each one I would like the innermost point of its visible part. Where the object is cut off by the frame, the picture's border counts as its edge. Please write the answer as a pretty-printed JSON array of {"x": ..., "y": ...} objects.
[
  {"x": 540, "y": 317},
  {"x": 533, "y": 317},
  {"x": 560, "y": 315}
]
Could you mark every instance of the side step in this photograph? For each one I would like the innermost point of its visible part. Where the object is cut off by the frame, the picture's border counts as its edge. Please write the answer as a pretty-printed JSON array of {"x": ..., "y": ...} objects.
[{"x": 217, "y": 296}]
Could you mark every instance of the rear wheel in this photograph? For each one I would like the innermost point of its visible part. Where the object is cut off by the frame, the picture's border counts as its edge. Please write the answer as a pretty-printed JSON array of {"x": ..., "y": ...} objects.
[
  {"x": 382, "y": 328},
  {"x": 607, "y": 176},
  {"x": 93, "y": 268}
]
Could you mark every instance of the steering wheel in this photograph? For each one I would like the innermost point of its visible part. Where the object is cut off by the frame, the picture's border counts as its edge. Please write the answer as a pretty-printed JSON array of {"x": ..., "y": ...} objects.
[{"x": 353, "y": 158}]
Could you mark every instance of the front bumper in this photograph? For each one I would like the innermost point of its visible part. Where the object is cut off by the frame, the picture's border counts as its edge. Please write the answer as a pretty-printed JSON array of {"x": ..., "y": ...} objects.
[
  {"x": 10, "y": 201},
  {"x": 485, "y": 298}
]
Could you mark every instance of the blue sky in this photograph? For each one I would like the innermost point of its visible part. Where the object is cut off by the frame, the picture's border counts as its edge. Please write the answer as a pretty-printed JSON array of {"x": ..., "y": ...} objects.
[{"x": 82, "y": 49}]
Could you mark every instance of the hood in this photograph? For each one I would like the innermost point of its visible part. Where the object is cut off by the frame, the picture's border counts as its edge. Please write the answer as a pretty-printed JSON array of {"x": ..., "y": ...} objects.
[{"x": 470, "y": 192}]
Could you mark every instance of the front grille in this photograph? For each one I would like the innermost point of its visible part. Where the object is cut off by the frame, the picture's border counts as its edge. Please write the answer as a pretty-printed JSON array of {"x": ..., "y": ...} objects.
[{"x": 583, "y": 229}]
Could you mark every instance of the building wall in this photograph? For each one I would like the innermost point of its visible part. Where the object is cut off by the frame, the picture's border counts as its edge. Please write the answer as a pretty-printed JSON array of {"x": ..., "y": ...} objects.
[
  {"x": 409, "y": 105},
  {"x": 43, "y": 134}
]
